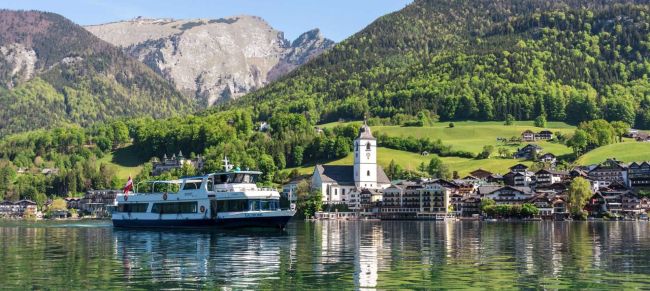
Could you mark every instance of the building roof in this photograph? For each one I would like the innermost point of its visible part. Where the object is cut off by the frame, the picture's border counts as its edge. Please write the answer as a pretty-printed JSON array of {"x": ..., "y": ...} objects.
[
  {"x": 519, "y": 166},
  {"x": 480, "y": 173},
  {"x": 484, "y": 190},
  {"x": 546, "y": 132},
  {"x": 364, "y": 132},
  {"x": 344, "y": 175}
]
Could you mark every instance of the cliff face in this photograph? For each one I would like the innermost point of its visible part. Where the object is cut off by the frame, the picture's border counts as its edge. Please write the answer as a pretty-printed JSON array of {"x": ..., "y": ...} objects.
[{"x": 213, "y": 60}]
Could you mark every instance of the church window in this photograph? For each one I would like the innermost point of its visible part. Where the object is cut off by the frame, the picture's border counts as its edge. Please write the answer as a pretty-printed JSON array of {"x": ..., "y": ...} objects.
[
  {"x": 368, "y": 172},
  {"x": 368, "y": 146}
]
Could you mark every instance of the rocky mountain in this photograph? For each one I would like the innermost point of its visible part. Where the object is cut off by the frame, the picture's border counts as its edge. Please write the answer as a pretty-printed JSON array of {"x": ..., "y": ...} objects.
[
  {"x": 214, "y": 60},
  {"x": 53, "y": 71}
]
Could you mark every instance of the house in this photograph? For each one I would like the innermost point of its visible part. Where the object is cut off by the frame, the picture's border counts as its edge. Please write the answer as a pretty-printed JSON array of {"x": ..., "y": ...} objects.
[
  {"x": 495, "y": 179},
  {"x": 547, "y": 177},
  {"x": 73, "y": 202},
  {"x": 506, "y": 194},
  {"x": 544, "y": 202},
  {"x": 624, "y": 203},
  {"x": 401, "y": 200},
  {"x": 530, "y": 151},
  {"x": 435, "y": 199},
  {"x": 49, "y": 171},
  {"x": 544, "y": 135},
  {"x": 470, "y": 205},
  {"x": 523, "y": 179},
  {"x": 343, "y": 183},
  {"x": 528, "y": 136},
  {"x": 264, "y": 126},
  {"x": 548, "y": 158},
  {"x": 97, "y": 202},
  {"x": 639, "y": 174},
  {"x": 610, "y": 171},
  {"x": 289, "y": 189},
  {"x": 481, "y": 174},
  {"x": 166, "y": 164},
  {"x": 518, "y": 168}
]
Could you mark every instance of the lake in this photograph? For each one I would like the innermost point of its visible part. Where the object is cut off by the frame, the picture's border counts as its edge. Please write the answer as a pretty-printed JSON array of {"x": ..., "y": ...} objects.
[{"x": 329, "y": 255}]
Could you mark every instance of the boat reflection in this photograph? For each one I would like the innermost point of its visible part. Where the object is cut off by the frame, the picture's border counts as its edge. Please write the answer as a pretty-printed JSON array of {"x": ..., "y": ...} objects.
[{"x": 237, "y": 259}]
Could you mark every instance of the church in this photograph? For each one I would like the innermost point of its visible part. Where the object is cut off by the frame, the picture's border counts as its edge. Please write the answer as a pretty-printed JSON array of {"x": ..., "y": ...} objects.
[{"x": 340, "y": 184}]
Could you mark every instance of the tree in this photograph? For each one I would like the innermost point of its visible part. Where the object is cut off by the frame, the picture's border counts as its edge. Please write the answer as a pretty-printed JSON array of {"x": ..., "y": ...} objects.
[
  {"x": 267, "y": 166},
  {"x": 529, "y": 210},
  {"x": 438, "y": 169},
  {"x": 486, "y": 203},
  {"x": 510, "y": 120},
  {"x": 578, "y": 195},
  {"x": 578, "y": 142},
  {"x": 540, "y": 121},
  {"x": 504, "y": 152},
  {"x": 394, "y": 171},
  {"x": 487, "y": 151},
  {"x": 620, "y": 128},
  {"x": 58, "y": 204}
]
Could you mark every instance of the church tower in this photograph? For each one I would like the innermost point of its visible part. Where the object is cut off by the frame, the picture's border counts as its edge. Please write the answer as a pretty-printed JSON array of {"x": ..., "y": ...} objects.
[{"x": 365, "y": 159}]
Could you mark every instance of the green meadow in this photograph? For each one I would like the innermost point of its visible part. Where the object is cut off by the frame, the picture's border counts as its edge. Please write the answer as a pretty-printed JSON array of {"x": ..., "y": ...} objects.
[{"x": 624, "y": 151}]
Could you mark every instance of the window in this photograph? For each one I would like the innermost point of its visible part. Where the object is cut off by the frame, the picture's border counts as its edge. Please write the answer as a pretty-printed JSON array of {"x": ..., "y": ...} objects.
[
  {"x": 368, "y": 172},
  {"x": 133, "y": 207},
  {"x": 248, "y": 205},
  {"x": 191, "y": 185},
  {"x": 368, "y": 146},
  {"x": 174, "y": 207}
]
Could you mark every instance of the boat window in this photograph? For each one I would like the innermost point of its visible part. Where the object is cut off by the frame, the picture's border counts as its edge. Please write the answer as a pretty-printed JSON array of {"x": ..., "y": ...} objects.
[
  {"x": 221, "y": 179},
  {"x": 232, "y": 205},
  {"x": 210, "y": 184},
  {"x": 133, "y": 207},
  {"x": 248, "y": 205},
  {"x": 191, "y": 185},
  {"x": 174, "y": 207},
  {"x": 244, "y": 178}
]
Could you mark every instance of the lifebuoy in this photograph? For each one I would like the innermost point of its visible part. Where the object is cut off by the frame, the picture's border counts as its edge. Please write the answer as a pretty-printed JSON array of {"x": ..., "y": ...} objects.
[
  {"x": 202, "y": 208},
  {"x": 165, "y": 196}
]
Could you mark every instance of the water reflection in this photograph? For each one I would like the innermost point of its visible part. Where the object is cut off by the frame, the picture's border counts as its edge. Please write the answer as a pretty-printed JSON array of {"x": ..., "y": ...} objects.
[{"x": 330, "y": 255}]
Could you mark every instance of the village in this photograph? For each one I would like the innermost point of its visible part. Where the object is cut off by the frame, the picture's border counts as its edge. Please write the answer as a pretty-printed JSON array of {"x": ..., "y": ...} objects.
[
  {"x": 618, "y": 190},
  {"x": 364, "y": 191}
]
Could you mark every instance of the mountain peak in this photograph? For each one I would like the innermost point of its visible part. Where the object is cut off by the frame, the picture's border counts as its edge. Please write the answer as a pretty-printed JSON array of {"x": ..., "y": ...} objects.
[{"x": 237, "y": 54}]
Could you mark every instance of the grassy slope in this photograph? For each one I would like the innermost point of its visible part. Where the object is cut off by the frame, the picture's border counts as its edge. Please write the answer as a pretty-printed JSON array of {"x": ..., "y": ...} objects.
[
  {"x": 125, "y": 160},
  {"x": 465, "y": 135},
  {"x": 411, "y": 161},
  {"x": 626, "y": 151},
  {"x": 473, "y": 135}
]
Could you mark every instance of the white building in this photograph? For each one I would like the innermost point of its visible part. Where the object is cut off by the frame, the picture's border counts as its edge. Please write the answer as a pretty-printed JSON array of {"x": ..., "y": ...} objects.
[{"x": 342, "y": 183}]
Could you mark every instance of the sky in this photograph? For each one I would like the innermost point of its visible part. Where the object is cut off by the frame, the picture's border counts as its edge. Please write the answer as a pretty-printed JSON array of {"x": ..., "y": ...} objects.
[{"x": 337, "y": 19}]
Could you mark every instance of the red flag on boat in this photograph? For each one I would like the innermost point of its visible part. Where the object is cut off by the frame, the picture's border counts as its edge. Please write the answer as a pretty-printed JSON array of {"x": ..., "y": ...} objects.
[{"x": 129, "y": 186}]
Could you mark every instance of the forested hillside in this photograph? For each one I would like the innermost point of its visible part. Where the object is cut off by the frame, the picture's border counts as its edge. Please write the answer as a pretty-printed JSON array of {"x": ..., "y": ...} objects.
[
  {"x": 53, "y": 71},
  {"x": 570, "y": 61},
  {"x": 484, "y": 60}
]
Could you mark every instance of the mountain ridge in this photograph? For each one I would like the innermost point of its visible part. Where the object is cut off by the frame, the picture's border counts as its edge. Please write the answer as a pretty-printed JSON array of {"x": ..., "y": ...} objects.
[
  {"x": 214, "y": 60},
  {"x": 55, "y": 72}
]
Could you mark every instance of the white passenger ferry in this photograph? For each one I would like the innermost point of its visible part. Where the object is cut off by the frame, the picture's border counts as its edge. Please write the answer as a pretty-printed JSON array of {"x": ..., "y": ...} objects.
[{"x": 229, "y": 199}]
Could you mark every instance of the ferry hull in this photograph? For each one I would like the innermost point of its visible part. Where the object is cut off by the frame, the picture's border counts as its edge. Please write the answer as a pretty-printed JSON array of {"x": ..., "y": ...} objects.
[{"x": 266, "y": 222}]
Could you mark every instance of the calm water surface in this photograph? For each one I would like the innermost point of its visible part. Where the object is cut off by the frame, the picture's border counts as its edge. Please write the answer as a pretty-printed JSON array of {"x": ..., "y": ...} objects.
[{"x": 329, "y": 255}]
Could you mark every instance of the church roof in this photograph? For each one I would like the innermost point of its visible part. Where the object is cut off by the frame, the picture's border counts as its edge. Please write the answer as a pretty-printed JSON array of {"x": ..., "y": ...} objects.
[
  {"x": 365, "y": 133},
  {"x": 344, "y": 175}
]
